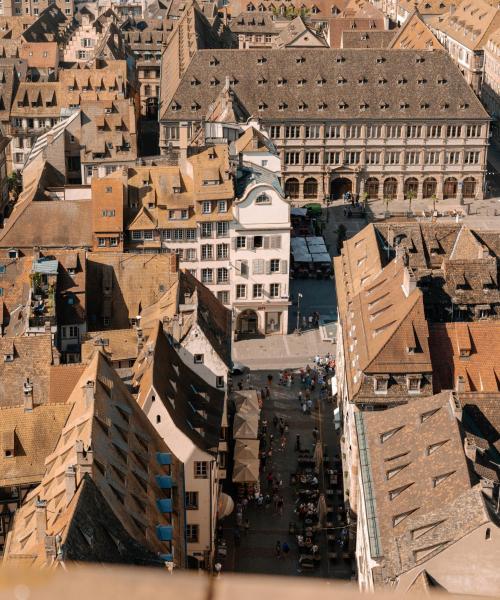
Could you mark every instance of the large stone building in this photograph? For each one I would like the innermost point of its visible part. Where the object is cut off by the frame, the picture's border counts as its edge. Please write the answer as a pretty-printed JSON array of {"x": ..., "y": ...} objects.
[{"x": 388, "y": 123}]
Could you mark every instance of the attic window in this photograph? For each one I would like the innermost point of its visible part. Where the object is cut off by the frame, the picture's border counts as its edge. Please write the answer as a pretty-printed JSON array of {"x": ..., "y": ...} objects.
[
  {"x": 380, "y": 60},
  {"x": 386, "y": 435},
  {"x": 363, "y": 106},
  {"x": 300, "y": 59},
  {"x": 362, "y": 80},
  {"x": 281, "y": 81},
  {"x": 195, "y": 106},
  {"x": 302, "y": 106},
  {"x": 424, "y": 105},
  {"x": 339, "y": 59},
  {"x": 397, "y": 519},
  {"x": 320, "y": 81},
  {"x": 261, "y": 60},
  {"x": 214, "y": 82},
  {"x": 8, "y": 357},
  {"x": 282, "y": 106},
  {"x": 444, "y": 106},
  {"x": 262, "y": 106},
  {"x": 341, "y": 80},
  {"x": 301, "y": 81},
  {"x": 440, "y": 478},
  {"x": 261, "y": 81},
  {"x": 420, "y": 59},
  {"x": 402, "y": 81},
  {"x": 464, "y": 105},
  {"x": 421, "y": 81},
  {"x": 380, "y": 384},
  {"x": 413, "y": 383},
  {"x": 384, "y": 105},
  {"x": 342, "y": 105},
  {"x": 322, "y": 106},
  {"x": 403, "y": 105},
  {"x": 433, "y": 447},
  {"x": 213, "y": 62},
  {"x": 175, "y": 106},
  {"x": 194, "y": 82},
  {"x": 394, "y": 471},
  {"x": 442, "y": 81}
]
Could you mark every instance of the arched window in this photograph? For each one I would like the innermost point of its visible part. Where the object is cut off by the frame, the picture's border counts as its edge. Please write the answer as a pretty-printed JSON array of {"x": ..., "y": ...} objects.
[
  {"x": 310, "y": 188},
  {"x": 450, "y": 188},
  {"x": 429, "y": 187},
  {"x": 390, "y": 188},
  {"x": 371, "y": 187},
  {"x": 292, "y": 188},
  {"x": 410, "y": 187},
  {"x": 263, "y": 199},
  {"x": 469, "y": 187}
]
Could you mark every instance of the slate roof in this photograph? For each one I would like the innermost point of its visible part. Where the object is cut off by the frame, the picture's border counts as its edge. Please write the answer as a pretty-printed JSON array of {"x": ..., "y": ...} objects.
[{"x": 289, "y": 85}]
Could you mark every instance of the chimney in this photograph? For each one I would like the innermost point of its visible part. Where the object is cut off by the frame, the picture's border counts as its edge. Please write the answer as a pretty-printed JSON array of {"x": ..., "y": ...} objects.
[
  {"x": 470, "y": 449},
  {"x": 183, "y": 140},
  {"x": 456, "y": 405},
  {"x": 41, "y": 519},
  {"x": 140, "y": 339},
  {"x": 409, "y": 281},
  {"x": 89, "y": 393},
  {"x": 70, "y": 483},
  {"x": 460, "y": 386},
  {"x": 84, "y": 459},
  {"x": 28, "y": 395}
]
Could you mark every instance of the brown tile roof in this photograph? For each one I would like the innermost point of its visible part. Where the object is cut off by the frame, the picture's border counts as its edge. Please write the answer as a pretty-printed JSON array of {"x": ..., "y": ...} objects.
[
  {"x": 339, "y": 25},
  {"x": 62, "y": 381},
  {"x": 42, "y": 55},
  {"x": 41, "y": 98},
  {"x": 32, "y": 359},
  {"x": 367, "y": 39},
  {"x": 15, "y": 283},
  {"x": 35, "y": 435},
  {"x": 117, "y": 344},
  {"x": 421, "y": 491},
  {"x": 255, "y": 22},
  {"x": 347, "y": 101},
  {"x": 11, "y": 72},
  {"x": 294, "y": 32},
  {"x": 415, "y": 34},
  {"x": 466, "y": 356},
  {"x": 125, "y": 473},
  {"x": 50, "y": 26}
]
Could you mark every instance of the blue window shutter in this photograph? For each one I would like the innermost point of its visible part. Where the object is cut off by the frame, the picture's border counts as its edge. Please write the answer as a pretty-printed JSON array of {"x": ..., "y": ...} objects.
[
  {"x": 164, "y": 458},
  {"x": 164, "y": 533},
  {"x": 164, "y": 481},
  {"x": 164, "y": 505},
  {"x": 167, "y": 557}
]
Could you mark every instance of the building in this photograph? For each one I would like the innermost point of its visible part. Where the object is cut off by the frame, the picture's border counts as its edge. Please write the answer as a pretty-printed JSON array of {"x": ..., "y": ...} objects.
[
  {"x": 399, "y": 10},
  {"x": 367, "y": 39},
  {"x": 108, "y": 195},
  {"x": 490, "y": 89},
  {"x": 188, "y": 413},
  {"x": 397, "y": 114},
  {"x": 337, "y": 26},
  {"x": 121, "y": 485},
  {"x": 88, "y": 39},
  {"x": 425, "y": 518},
  {"x": 414, "y": 34},
  {"x": 4, "y": 180},
  {"x": 464, "y": 32}
]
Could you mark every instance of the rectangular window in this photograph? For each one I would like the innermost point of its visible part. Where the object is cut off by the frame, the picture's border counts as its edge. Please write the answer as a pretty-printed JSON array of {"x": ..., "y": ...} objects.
[
  {"x": 292, "y": 158},
  {"x": 434, "y": 131},
  {"x": 219, "y": 381},
  {"x": 311, "y": 131},
  {"x": 258, "y": 266},
  {"x": 207, "y": 252},
  {"x": 432, "y": 158},
  {"x": 137, "y": 235},
  {"x": 190, "y": 254},
  {"x": 412, "y": 158},
  {"x": 241, "y": 242},
  {"x": 198, "y": 359},
  {"x": 207, "y": 276},
  {"x": 373, "y": 131},
  {"x": 184, "y": 214},
  {"x": 222, "y": 229},
  {"x": 352, "y": 158},
  {"x": 353, "y": 131},
  {"x": 190, "y": 234},
  {"x": 392, "y": 158},
  {"x": 191, "y": 500},
  {"x": 473, "y": 130},
  {"x": 292, "y": 131},
  {"x": 333, "y": 158},
  {"x": 332, "y": 131},
  {"x": 275, "y": 132},
  {"x": 274, "y": 290},
  {"x": 206, "y": 230},
  {"x": 222, "y": 251},
  {"x": 452, "y": 158},
  {"x": 222, "y": 206},
  {"x": 241, "y": 291},
  {"x": 223, "y": 297},
  {"x": 258, "y": 290},
  {"x": 413, "y": 131},
  {"x": 192, "y": 533},
  {"x": 372, "y": 158},
  {"x": 472, "y": 158},
  {"x": 101, "y": 241},
  {"x": 148, "y": 234},
  {"x": 222, "y": 275},
  {"x": 311, "y": 158},
  {"x": 394, "y": 131},
  {"x": 453, "y": 131},
  {"x": 274, "y": 265},
  {"x": 206, "y": 207}
]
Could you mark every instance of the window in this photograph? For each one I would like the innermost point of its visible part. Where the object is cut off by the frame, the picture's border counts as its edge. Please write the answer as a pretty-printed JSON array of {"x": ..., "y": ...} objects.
[
  {"x": 473, "y": 130},
  {"x": 177, "y": 235},
  {"x": 412, "y": 158},
  {"x": 453, "y": 131},
  {"x": 222, "y": 251},
  {"x": 263, "y": 199},
  {"x": 207, "y": 275},
  {"x": 353, "y": 131},
  {"x": 275, "y": 131},
  {"x": 434, "y": 131},
  {"x": 332, "y": 131},
  {"x": 222, "y": 275},
  {"x": 274, "y": 290},
  {"x": 191, "y": 500},
  {"x": 223, "y": 297},
  {"x": 222, "y": 229},
  {"x": 258, "y": 266},
  {"x": 241, "y": 291},
  {"x": 311, "y": 131},
  {"x": 292, "y": 158},
  {"x": 292, "y": 131},
  {"x": 219, "y": 381},
  {"x": 332, "y": 158},
  {"x": 472, "y": 158},
  {"x": 372, "y": 158},
  {"x": 206, "y": 252},
  {"x": 311, "y": 158},
  {"x": 258, "y": 290},
  {"x": 373, "y": 131},
  {"x": 206, "y": 230},
  {"x": 394, "y": 131},
  {"x": 198, "y": 359},
  {"x": 222, "y": 206},
  {"x": 241, "y": 242},
  {"x": 274, "y": 265},
  {"x": 352, "y": 158},
  {"x": 190, "y": 234},
  {"x": 258, "y": 241},
  {"x": 452, "y": 158},
  {"x": 432, "y": 158},
  {"x": 190, "y": 254},
  {"x": 413, "y": 131},
  {"x": 148, "y": 234},
  {"x": 101, "y": 241},
  {"x": 192, "y": 533},
  {"x": 414, "y": 384},
  {"x": 206, "y": 207}
]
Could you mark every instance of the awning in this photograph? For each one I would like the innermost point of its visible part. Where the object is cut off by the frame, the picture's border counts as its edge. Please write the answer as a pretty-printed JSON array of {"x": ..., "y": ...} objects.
[
  {"x": 246, "y": 450},
  {"x": 246, "y": 399},
  {"x": 247, "y": 472},
  {"x": 225, "y": 506},
  {"x": 246, "y": 425},
  {"x": 298, "y": 212}
]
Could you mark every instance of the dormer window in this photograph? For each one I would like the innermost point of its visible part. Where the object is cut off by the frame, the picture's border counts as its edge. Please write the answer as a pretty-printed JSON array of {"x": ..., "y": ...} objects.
[
  {"x": 282, "y": 106},
  {"x": 263, "y": 198},
  {"x": 339, "y": 59},
  {"x": 403, "y": 105},
  {"x": 261, "y": 81},
  {"x": 214, "y": 82},
  {"x": 424, "y": 105},
  {"x": 281, "y": 81},
  {"x": 175, "y": 106},
  {"x": 442, "y": 81},
  {"x": 381, "y": 384},
  {"x": 262, "y": 106},
  {"x": 341, "y": 81},
  {"x": 195, "y": 106},
  {"x": 384, "y": 106},
  {"x": 342, "y": 105},
  {"x": 382, "y": 81},
  {"x": 194, "y": 82},
  {"x": 301, "y": 82},
  {"x": 421, "y": 81},
  {"x": 413, "y": 383},
  {"x": 213, "y": 62},
  {"x": 444, "y": 106},
  {"x": 380, "y": 60},
  {"x": 261, "y": 60},
  {"x": 463, "y": 105},
  {"x": 320, "y": 81},
  {"x": 363, "y": 106},
  {"x": 8, "y": 357},
  {"x": 420, "y": 59},
  {"x": 302, "y": 106},
  {"x": 362, "y": 80},
  {"x": 300, "y": 59},
  {"x": 322, "y": 106},
  {"x": 401, "y": 81}
]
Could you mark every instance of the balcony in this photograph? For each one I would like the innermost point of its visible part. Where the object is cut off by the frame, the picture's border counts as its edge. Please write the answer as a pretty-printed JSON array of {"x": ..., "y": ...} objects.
[
  {"x": 165, "y": 533},
  {"x": 164, "y": 482},
  {"x": 164, "y": 505}
]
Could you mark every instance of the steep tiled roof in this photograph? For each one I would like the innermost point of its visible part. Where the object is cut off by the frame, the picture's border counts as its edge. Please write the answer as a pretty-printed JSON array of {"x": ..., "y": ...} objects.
[
  {"x": 42, "y": 99},
  {"x": 117, "y": 344},
  {"x": 415, "y": 34},
  {"x": 255, "y": 22},
  {"x": 367, "y": 39},
  {"x": 295, "y": 31},
  {"x": 339, "y": 25},
  {"x": 290, "y": 88}
]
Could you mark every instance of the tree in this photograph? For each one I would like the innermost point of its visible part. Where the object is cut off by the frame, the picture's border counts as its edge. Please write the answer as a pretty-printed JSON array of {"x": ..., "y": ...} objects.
[
  {"x": 15, "y": 185},
  {"x": 341, "y": 237},
  {"x": 386, "y": 202},
  {"x": 434, "y": 201},
  {"x": 410, "y": 195}
]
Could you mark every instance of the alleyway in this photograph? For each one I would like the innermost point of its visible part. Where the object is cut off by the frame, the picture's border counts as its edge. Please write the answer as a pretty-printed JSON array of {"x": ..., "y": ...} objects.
[{"x": 256, "y": 552}]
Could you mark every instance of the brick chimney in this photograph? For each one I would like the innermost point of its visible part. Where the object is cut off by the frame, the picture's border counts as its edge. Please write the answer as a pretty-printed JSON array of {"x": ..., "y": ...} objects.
[
  {"x": 140, "y": 339},
  {"x": 70, "y": 483},
  {"x": 89, "y": 393},
  {"x": 460, "y": 385},
  {"x": 409, "y": 281},
  {"x": 28, "y": 395},
  {"x": 41, "y": 520}
]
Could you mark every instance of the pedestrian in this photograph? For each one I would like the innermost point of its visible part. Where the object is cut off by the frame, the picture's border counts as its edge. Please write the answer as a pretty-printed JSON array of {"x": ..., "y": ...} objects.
[
  {"x": 262, "y": 394},
  {"x": 309, "y": 405},
  {"x": 285, "y": 549},
  {"x": 271, "y": 439},
  {"x": 269, "y": 479},
  {"x": 264, "y": 426},
  {"x": 217, "y": 569},
  {"x": 240, "y": 385},
  {"x": 315, "y": 434},
  {"x": 286, "y": 429},
  {"x": 278, "y": 549},
  {"x": 276, "y": 499},
  {"x": 310, "y": 320},
  {"x": 308, "y": 394},
  {"x": 304, "y": 322},
  {"x": 263, "y": 459},
  {"x": 300, "y": 398},
  {"x": 304, "y": 407},
  {"x": 248, "y": 380},
  {"x": 269, "y": 380},
  {"x": 297, "y": 442},
  {"x": 282, "y": 427},
  {"x": 268, "y": 392},
  {"x": 275, "y": 421},
  {"x": 280, "y": 506},
  {"x": 239, "y": 519},
  {"x": 283, "y": 442},
  {"x": 246, "y": 526}
]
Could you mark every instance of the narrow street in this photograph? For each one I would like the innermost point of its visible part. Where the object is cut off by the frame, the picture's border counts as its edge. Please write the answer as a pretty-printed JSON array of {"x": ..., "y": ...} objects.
[{"x": 256, "y": 550}]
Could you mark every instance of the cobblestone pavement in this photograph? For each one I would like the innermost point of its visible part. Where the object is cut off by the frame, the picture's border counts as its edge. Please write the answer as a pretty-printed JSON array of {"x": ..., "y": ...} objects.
[{"x": 256, "y": 552}]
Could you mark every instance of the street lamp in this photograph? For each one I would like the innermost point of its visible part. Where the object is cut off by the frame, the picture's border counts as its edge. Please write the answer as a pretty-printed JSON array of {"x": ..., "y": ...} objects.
[{"x": 299, "y": 296}]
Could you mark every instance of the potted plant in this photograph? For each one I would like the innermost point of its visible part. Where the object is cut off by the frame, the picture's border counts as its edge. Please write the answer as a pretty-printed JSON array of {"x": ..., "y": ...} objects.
[{"x": 410, "y": 195}]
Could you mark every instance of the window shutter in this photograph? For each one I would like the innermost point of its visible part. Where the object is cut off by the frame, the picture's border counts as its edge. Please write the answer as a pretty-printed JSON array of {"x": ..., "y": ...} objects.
[
  {"x": 234, "y": 241},
  {"x": 255, "y": 266},
  {"x": 244, "y": 268},
  {"x": 268, "y": 267},
  {"x": 250, "y": 242},
  {"x": 267, "y": 240},
  {"x": 276, "y": 241},
  {"x": 284, "y": 267}
]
